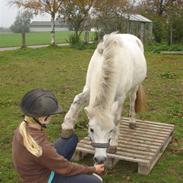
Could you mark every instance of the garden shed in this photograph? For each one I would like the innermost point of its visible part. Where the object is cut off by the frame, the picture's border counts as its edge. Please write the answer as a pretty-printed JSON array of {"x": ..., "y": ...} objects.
[
  {"x": 125, "y": 23},
  {"x": 138, "y": 25}
]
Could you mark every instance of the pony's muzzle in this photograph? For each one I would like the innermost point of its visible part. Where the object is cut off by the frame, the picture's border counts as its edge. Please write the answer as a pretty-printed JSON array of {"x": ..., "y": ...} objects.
[{"x": 100, "y": 159}]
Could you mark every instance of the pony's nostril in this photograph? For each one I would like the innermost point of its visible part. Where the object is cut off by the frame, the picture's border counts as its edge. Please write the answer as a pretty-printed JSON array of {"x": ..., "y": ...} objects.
[{"x": 100, "y": 160}]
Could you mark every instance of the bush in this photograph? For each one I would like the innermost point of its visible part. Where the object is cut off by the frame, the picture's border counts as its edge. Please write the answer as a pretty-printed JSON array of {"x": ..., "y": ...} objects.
[
  {"x": 75, "y": 41},
  {"x": 157, "y": 48}
]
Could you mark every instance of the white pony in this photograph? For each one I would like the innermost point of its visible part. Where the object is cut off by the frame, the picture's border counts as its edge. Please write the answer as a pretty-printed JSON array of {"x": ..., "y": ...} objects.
[{"x": 116, "y": 70}]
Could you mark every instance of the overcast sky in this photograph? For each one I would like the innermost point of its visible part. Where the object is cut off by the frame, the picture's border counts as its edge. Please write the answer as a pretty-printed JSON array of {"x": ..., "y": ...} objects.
[{"x": 9, "y": 13}]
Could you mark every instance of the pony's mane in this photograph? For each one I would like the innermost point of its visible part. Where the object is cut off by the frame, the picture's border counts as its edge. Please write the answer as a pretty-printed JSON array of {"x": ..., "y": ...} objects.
[
  {"x": 105, "y": 87},
  {"x": 103, "y": 117}
]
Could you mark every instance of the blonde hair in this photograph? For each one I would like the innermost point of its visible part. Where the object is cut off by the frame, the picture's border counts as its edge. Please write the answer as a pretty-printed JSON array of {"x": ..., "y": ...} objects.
[{"x": 30, "y": 144}]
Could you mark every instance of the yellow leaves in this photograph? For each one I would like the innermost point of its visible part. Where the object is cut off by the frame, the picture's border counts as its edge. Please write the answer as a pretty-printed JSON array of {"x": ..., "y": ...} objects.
[{"x": 49, "y": 6}]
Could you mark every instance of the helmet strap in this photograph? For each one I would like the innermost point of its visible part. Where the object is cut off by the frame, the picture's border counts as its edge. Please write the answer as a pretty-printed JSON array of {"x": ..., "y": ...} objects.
[{"x": 38, "y": 122}]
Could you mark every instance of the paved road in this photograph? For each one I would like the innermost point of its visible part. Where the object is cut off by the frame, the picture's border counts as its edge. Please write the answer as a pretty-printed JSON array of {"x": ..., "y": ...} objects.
[{"x": 34, "y": 46}]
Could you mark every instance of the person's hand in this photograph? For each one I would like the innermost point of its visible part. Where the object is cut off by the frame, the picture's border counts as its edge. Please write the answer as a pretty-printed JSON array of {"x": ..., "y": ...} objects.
[{"x": 99, "y": 168}]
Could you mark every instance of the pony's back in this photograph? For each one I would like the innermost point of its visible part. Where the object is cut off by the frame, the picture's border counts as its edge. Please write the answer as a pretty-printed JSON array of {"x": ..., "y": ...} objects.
[{"x": 117, "y": 64}]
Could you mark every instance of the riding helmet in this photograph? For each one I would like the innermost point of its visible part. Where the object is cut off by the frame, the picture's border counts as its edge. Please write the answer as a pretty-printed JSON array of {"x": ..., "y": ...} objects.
[{"x": 40, "y": 102}]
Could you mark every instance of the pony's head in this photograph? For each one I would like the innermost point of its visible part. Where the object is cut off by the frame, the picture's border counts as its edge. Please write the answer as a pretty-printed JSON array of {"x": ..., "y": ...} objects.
[{"x": 100, "y": 129}]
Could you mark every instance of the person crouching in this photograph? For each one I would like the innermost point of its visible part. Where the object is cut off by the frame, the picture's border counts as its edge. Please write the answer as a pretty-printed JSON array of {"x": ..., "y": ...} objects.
[{"x": 36, "y": 159}]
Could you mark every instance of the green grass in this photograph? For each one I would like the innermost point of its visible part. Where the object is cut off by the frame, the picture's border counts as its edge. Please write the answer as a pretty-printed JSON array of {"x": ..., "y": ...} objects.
[
  {"x": 33, "y": 38},
  {"x": 63, "y": 70}
]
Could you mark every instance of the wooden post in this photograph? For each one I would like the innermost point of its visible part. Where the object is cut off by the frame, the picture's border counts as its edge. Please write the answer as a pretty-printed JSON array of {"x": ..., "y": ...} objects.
[{"x": 142, "y": 28}]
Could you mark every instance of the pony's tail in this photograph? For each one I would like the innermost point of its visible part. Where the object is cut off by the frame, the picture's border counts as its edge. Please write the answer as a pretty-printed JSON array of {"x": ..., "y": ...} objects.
[{"x": 140, "y": 102}]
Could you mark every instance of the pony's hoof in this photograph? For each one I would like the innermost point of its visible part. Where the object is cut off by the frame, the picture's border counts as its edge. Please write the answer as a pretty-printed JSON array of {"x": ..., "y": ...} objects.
[
  {"x": 67, "y": 133},
  {"x": 112, "y": 149},
  {"x": 132, "y": 125}
]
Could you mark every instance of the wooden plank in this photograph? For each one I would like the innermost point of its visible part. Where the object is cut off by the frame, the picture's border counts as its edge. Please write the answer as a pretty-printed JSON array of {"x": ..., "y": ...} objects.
[
  {"x": 132, "y": 145},
  {"x": 138, "y": 139},
  {"x": 148, "y": 139},
  {"x": 153, "y": 123},
  {"x": 126, "y": 152},
  {"x": 115, "y": 156},
  {"x": 137, "y": 147},
  {"x": 147, "y": 127},
  {"x": 136, "y": 151},
  {"x": 141, "y": 130},
  {"x": 145, "y": 168},
  {"x": 161, "y": 150},
  {"x": 145, "y": 135}
]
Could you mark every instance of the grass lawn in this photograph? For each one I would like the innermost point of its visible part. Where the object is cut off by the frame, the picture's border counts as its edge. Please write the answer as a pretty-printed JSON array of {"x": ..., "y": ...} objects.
[
  {"x": 63, "y": 70},
  {"x": 33, "y": 38}
]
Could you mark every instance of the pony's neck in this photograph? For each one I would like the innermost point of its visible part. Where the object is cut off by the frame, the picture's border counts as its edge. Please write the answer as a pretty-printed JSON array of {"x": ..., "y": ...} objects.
[{"x": 104, "y": 87}]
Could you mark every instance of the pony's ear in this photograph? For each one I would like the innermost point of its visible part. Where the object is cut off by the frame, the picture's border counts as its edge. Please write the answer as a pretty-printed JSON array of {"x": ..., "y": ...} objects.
[{"x": 88, "y": 112}]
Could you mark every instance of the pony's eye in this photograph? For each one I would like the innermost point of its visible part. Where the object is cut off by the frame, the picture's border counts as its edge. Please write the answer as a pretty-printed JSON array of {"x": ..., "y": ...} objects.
[{"x": 91, "y": 130}]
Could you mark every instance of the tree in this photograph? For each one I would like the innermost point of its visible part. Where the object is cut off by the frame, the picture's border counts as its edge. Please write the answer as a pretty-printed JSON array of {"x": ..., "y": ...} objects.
[
  {"x": 174, "y": 19},
  {"x": 42, "y": 6},
  {"x": 167, "y": 17},
  {"x": 112, "y": 16},
  {"x": 22, "y": 24},
  {"x": 76, "y": 13}
]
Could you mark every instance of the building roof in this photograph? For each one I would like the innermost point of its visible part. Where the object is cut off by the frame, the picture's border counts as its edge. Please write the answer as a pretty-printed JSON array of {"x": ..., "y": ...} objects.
[
  {"x": 48, "y": 24},
  {"x": 137, "y": 18}
]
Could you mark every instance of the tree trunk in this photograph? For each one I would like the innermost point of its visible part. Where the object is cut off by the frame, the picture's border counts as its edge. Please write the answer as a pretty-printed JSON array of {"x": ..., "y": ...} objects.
[
  {"x": 53, "y": 43},
  {"x": 23, "y": 40},
  {"x": 86, "y": 36},
  {"x": 161, "y": 7},
  {"x": 171, "y": 36},
  {"x": 77, "y": 33}
]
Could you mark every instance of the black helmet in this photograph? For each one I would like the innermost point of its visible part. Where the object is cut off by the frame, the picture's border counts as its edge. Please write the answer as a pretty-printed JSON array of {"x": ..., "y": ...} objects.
[{"x": 39, "y": 102}]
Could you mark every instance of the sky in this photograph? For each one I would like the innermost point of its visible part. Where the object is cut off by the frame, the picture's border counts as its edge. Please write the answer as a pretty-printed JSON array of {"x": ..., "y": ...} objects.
[{"x": 8, "y": 14}]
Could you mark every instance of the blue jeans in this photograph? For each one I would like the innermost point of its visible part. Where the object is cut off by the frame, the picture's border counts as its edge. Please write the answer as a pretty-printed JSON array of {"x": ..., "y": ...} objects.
[{"x": 66, "y": 148}]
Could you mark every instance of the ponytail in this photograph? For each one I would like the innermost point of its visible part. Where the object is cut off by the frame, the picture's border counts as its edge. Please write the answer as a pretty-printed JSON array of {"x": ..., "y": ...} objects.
[{"x": 30, "y": 144}]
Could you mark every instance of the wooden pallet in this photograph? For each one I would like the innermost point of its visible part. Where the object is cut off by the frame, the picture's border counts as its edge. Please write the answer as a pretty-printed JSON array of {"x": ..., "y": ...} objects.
[{"x": 143, "y": 145}]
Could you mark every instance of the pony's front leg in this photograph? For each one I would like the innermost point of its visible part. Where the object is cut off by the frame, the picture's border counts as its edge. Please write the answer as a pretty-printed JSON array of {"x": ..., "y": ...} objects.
[
  {"x": 116, "y": 109},
  {"x": 114, "y": 140},
  {"x": 79, "y": 101}
]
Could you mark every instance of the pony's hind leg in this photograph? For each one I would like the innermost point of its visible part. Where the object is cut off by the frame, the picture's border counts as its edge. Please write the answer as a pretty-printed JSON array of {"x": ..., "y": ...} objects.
[
  {"x": 79, "y": 101},
  {"x": 132, "y": 112},
  {"x": 137, "y": 104}
]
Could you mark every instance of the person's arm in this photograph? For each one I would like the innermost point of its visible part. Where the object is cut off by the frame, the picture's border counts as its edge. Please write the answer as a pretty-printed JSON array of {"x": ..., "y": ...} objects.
[{"x": 55, "y": 162}]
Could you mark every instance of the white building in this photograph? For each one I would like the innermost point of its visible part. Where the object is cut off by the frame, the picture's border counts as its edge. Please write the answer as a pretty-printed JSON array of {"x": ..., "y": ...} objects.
[{"x": 45, "y": 26}]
